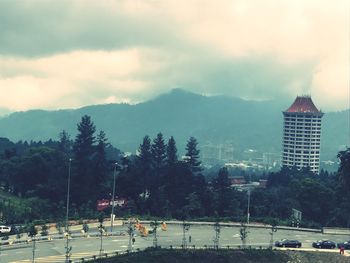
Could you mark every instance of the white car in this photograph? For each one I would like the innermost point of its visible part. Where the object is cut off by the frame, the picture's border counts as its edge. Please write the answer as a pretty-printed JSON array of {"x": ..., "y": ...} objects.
[{"x": 5, "y": 229}]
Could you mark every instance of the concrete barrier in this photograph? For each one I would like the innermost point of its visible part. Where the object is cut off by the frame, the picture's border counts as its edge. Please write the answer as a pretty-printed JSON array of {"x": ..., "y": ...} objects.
[{"x": 336, "y": 231}]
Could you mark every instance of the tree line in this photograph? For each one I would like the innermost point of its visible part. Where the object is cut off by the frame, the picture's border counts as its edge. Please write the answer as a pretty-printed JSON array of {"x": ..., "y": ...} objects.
[{"x": 156, "y": 182}]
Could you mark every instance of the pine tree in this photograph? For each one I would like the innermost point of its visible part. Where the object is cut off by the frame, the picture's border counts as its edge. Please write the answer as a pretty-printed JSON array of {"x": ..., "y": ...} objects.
[
  {"x": 83, "y": 149},
  {"x": 192, "y": 155},
  {"x": 145, "y": 155},
  {"x": 144, "y": 162},
  {"x": 158, "y": 152},
  {"x": 344, "y": 168},
  {"x": 171, "y": 152},
  {"x": 101, "y": 164},
  {"x": 65, "y": 143},
  {"x": 224, "y": 195}
]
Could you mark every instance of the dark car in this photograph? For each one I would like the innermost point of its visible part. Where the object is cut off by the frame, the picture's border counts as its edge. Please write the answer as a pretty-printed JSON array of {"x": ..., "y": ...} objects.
[
  {"x": 345, "y": 245},
  {"x": 288, "y": 243},
  {"x": 323, "y": 244}
]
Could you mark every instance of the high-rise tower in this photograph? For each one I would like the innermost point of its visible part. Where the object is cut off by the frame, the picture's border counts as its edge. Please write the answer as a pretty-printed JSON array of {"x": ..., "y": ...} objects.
[{"x": 302, "y": 135}]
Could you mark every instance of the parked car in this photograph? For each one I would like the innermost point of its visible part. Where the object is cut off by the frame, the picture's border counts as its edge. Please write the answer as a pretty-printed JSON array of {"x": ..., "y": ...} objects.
[
  {"x": 345, "y": 244},
  {"x": 323, "y": 244},
  {"x": 288, "y": 243},
  {"x": 5, "y": 229}
]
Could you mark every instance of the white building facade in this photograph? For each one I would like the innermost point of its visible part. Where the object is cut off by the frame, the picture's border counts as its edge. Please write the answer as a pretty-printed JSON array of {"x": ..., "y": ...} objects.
[{"x": 302, "y": 135}]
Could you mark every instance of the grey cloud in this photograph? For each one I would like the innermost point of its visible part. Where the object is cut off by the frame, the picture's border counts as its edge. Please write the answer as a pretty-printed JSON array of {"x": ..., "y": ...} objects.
[
  {"x": 253, "y": 77},
  {"x": 42, "y": 28},
  {"x": 45, "y": 27}
]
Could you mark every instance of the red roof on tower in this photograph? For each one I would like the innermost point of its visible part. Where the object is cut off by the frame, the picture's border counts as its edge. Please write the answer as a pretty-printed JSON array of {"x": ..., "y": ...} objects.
[{"x": 303, "y": 104}]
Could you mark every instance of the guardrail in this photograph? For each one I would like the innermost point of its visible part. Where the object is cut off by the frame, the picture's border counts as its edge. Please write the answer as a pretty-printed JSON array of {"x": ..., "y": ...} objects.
[
  {"x": 234, "y": 224},
  {"x": 96, "y": 258}
]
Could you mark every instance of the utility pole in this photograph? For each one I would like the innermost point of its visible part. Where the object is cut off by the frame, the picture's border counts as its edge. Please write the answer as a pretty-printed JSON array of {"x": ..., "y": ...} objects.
[
  {"x": 248, "y": 207},
  {"x": 32, "y": 233},
  {"x": 101, "y": 229},
  {"x": 273, "y": 229},
  {"x": 33, "y": 250},
  {"x": 130, "y": 232},
  {"x": 154, "y": 224},
  {"x": 68, "y": 249},
  {"x": 185, "y": 228},
  {"x": 217, "y": 229},
  {"x": 113, "y": 196}
]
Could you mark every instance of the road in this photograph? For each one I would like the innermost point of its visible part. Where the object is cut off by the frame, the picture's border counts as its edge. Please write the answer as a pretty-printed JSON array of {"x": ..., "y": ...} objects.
[{"x": 54, "y": 251}]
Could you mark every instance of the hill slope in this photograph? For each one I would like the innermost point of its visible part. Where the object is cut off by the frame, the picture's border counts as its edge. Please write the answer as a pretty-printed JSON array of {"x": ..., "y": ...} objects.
[{"x": 247, "y": 124}]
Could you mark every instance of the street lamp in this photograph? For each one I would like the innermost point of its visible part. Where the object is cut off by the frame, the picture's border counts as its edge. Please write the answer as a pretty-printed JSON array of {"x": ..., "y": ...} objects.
[
  {"x": 68, "y": 249},
  {"x": 112, "y": 213},
  {"x": 249, "y": 189}
]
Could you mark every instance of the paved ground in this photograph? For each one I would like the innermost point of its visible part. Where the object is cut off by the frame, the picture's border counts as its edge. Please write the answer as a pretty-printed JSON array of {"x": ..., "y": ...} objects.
[{"x": 54, "y": 251}]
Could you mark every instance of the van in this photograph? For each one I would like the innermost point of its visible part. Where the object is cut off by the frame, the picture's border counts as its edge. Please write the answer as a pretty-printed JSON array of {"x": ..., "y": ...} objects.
[{"x": 5, "y": 229}]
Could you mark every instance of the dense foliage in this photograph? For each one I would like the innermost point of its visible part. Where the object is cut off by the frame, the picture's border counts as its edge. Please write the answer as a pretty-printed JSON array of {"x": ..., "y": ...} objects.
[
  {"x": 225, "y": 256},
  {"x": 156, "y": 182}
]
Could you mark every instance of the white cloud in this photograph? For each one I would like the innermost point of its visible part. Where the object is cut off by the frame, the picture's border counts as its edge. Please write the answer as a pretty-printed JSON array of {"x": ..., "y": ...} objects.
[{"x": 70, "y": 54}]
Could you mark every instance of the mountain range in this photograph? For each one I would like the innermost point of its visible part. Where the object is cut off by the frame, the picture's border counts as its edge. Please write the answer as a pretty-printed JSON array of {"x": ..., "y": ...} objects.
[{"x": 211, "y": 119}]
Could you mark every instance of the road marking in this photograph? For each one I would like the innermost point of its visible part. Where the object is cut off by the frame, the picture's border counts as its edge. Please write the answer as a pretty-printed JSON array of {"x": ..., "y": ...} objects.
[
  {"x": 119, "y": 240},
  {"x": 61, "y": 258}
]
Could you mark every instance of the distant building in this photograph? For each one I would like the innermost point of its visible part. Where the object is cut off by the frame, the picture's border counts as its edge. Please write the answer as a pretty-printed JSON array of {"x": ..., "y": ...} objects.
[
  {"x": 237, "y": 180},
  {"x": 302, "y": 135},
  {"x": 211, "y": 153}
]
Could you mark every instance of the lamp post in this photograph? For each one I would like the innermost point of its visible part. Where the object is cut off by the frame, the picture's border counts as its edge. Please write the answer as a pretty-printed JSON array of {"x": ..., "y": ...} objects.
[
  {"x": 113, "y": 194},
  {"x": 68, "y": 249},
  {"x": 249, "y": 189},
  {"x": 248, "y": 212}
]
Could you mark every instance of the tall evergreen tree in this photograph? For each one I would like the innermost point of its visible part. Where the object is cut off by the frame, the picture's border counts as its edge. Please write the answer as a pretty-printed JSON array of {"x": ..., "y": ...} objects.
[
  {"x": 65, "y": 144},
  {"x": 144, "y": 163},
  {"x": 171, "y": 152},
  {"x": 83, "y": 149},
  {"x": 344, "y": 168},
  {"x": 192, "y": 155},
  {"x": 145, "y": 154},
  {"x": 101, "y": 164},
  {"x": 223, "y": 193},
  {"x": 158, "y": 152}
]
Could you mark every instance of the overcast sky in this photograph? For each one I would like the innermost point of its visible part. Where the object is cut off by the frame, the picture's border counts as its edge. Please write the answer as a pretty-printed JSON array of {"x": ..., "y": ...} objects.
[{"x": 68, "y": 54}]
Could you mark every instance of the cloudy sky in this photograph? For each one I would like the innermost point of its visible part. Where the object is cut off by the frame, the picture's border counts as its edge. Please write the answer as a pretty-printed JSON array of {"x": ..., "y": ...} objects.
[{"x": 67, "y": 54}]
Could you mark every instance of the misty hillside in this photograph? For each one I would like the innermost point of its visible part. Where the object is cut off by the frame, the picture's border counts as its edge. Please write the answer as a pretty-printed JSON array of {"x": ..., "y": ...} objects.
[{"x": 217, "y": 119}]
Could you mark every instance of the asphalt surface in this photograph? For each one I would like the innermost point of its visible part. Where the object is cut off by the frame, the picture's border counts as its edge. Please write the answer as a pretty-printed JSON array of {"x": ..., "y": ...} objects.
[{"x": 54, "y": 251}]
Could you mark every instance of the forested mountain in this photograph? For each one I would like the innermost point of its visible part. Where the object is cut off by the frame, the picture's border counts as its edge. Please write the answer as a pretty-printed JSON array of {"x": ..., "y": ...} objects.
[{"x": 215, "y": 119}]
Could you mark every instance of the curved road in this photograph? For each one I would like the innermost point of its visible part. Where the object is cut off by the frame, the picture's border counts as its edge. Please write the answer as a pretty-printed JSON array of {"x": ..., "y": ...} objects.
[{"x": 54, "y": 251}]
